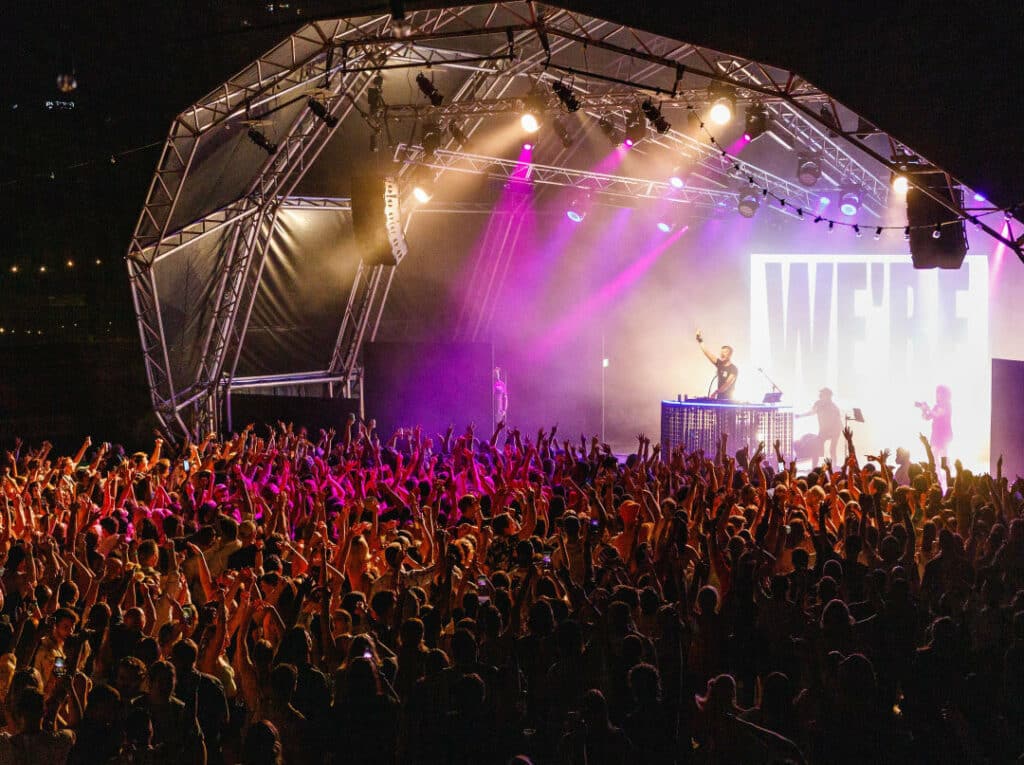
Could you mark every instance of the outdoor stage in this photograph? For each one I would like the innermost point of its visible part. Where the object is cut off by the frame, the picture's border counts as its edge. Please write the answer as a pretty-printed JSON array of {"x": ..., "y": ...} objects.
[{"x": 583, "y": 223}]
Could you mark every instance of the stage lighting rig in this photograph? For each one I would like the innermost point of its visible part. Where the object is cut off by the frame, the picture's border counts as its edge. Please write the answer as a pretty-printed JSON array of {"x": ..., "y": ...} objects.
[
  {"x": 430, "y": 138},
  {"x": 808, "y": 171},
  {"x": 577, "y": 211},
  {"x": 262, "y": 141},
  {"x": 611, "y": 132},
  {"x": 758, "y": 122},
  {"x": 748, "y": 204},
  {"x": 428, "y": 89},
  {"x": 723, "y": 104},
  {"x": 654, "y": 116},
  {"x": 422, "y": 185},
  {"x": 375, "y": 96},
  {"x": 566, "y": 96},
  {"x": 636, "y": 129},
  {"x": 562, "y": 132},
  {"x": 322, "y": 114},
  {"x": 534, "y": 107},
  {"x": 399, "y": 22},
  {"x": 460, "y": 137},
  {"x": 849, "y": 202}
]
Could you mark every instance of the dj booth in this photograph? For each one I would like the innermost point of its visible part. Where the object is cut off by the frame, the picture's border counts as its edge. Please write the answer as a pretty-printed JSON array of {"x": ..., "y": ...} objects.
[{"x": 699, "y": 423}]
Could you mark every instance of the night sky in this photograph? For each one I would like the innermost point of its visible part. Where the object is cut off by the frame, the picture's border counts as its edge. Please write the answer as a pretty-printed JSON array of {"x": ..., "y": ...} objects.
[{"x": 945, "y": 79}]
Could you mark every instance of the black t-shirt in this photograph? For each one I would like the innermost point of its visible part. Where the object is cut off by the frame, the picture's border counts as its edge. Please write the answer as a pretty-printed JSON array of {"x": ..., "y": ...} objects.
[{"x": 724, "y": 371}]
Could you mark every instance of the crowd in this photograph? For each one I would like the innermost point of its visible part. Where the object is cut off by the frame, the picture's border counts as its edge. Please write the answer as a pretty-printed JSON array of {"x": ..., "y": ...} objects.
[{"x": 495, "y": 598}]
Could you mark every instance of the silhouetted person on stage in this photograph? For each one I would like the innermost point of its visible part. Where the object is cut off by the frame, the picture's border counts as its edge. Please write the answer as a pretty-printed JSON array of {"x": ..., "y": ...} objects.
[
  {"x": 727, "y": 371},
  {"x": 941, "y": 415},
  {"x": 830, "y": 424}
]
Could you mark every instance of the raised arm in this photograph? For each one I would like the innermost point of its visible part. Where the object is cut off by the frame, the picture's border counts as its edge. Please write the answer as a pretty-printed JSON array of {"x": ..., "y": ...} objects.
[{"x": 710, "y": 356}]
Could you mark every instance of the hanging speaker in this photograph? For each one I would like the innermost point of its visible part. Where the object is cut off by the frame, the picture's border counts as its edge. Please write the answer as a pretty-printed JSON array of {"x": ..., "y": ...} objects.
[
  {"x": 377, "y": 220},
  {"x": 927, "y": 217}
]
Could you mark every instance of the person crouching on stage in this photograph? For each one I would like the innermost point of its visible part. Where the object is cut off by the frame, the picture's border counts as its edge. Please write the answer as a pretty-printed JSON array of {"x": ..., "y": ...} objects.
[{"x": 830, "y": 424}]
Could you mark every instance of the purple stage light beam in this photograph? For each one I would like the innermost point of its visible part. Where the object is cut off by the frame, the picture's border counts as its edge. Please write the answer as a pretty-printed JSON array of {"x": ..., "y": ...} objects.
[{"x": 585, "y": 311}]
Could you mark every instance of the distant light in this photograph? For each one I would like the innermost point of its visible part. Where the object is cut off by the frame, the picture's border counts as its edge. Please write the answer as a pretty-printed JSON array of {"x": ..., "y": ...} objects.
[
  {"x": 14, "y": 269},
  {"x": 747, "y": 138},
  {"x": 676, "y": 181},
  {"x": 2, "y": 330},
  {"x": 574, "y": 216},
  {"x": 69, "y": 263},
  {"x": 900, "y": 184},
  {"x": 937, "y": 232},
  {"x": 528, "y": 145},
  {"x": 99, "y": 262},
  {"x": 604, "y": 362},
  {"x": 628, "y": 142},
  {"x": 721, "y": 111},
  {"x": 979, "y": 198},
  {"x": 824, "y": 201},
  {"x": 42, "y": 269},
  {"x": 664, "y": 227},
  {"x": 529, "y": 122},
  {"x": 422, "y": 194}
]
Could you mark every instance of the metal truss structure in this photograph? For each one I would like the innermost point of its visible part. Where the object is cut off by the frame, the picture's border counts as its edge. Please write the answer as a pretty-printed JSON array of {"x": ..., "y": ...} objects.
[{"x": 504, "y": 51}]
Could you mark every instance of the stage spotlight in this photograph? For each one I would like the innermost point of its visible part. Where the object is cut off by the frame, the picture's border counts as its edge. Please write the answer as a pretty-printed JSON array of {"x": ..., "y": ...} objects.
[
  {"x": 399, "y": 22},
  {"x": 322, "y": 114},
  {"x": 849, "y": 202},
  {"x": 528, "y": 145},
  {"x": 980, "y": 198},
  {"x": 610, "y": 131},
  {"x": 576, "y": 212},
  {"x": 758, "y": 122},
  {"x": 533, "y": 111},
  {"x": 566, "y": 96},
  {"x": 562, "y": 132},
  {"x": 808, "y": 171},
  {"x": 900, "y": 184},
  {"x": 722, "y": 109},
  {"x": 261, "y": 140},
  {"x": 678, "y": 178},
  {"x": 529, "y": 122},
  {"x": 636, "y": 130},
  {"x": 748, "y": 204},
  {"x": 937, "y": 232},
  {"x": 824, "y": 201},
  {"x": 375, "y": 96},
  {"x": 665, "y": 227},
  {"x": 431, "y": 138},
  {"x": 423, "y": 191},
  {"x": 428, "y": 89},
  {"x": 653, "y": 115},
  {"x": 460, "y": 138}
]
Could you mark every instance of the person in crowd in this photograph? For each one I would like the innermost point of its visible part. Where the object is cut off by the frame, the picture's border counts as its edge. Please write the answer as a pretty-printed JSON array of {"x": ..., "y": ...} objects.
[{"x": 350, "y": 597}]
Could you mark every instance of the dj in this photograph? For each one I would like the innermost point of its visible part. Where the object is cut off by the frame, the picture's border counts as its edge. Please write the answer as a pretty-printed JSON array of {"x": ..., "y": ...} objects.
[{"x": 727, "y": 371}]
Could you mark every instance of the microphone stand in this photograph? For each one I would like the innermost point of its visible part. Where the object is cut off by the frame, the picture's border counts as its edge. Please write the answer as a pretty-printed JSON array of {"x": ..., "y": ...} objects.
[{"x": 775, "y": 388}]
